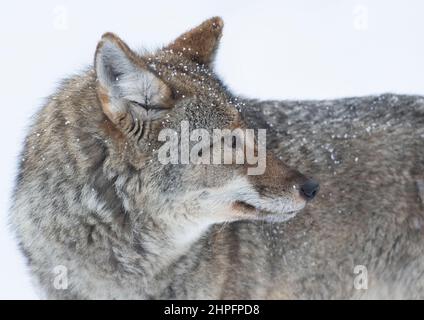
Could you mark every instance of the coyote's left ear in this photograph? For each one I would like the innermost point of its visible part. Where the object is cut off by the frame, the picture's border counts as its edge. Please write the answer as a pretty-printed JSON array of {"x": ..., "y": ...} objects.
[
  {"x": 127, "y": 89},
  {"x": 201, "y": 43}
]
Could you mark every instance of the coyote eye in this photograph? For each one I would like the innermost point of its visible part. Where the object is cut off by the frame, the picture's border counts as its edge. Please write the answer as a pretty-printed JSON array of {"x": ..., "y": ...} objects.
[
  {"x": 138, "y": 104},
  {"x": 146, "y": 105}
]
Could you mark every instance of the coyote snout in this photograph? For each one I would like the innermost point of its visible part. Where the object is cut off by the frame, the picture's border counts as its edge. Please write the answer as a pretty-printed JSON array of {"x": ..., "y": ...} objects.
[
  {"x": 309, "y": 189},
  {"x": 278, "y": 194}
]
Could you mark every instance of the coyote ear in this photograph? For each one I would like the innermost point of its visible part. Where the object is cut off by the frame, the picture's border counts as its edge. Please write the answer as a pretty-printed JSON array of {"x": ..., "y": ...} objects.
[
  {"x": 126, "y": 88},
  {"x": 201, "y": 43}
]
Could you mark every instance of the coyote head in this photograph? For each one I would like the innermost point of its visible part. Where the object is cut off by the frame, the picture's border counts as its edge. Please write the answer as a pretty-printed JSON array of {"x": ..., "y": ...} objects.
[{"x": 142, "y": 95}]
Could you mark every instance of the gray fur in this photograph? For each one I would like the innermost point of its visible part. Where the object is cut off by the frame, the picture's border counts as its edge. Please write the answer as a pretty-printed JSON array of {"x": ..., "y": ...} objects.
[
  {"x": 368, "y": 154},
  {"x": 91, "y": 197}
]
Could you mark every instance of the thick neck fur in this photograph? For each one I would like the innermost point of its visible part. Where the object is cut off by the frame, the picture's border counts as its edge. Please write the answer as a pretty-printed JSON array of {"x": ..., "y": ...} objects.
[
  {"x": 159, "y": 241},
  {"x": 140, "y": 240}
]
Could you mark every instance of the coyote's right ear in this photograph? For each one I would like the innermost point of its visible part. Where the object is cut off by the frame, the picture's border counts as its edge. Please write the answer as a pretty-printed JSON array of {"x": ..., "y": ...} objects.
[
  {"x": 201, "y": 43},
  {"x": 126, "y": 88}
]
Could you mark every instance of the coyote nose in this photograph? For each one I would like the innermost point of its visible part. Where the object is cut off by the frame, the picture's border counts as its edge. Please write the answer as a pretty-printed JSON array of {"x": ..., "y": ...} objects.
[{"x": 309, "y": 189}]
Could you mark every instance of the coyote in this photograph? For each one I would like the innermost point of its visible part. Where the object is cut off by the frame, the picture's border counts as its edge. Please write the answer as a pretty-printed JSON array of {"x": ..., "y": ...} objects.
[
  {"x": 94, "y": 205},
  {"x": 99, "y": 217}
]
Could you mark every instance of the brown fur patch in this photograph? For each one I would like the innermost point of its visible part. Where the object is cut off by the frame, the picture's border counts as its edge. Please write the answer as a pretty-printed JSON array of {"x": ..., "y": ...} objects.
[
  {"x": 111, "y": 131},
  {"x": 200, "y": 43},
  {"x": 103, "y": 95}
]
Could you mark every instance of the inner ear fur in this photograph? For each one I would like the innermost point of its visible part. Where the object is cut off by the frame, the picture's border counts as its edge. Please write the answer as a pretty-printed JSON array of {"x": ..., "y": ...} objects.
[{"x": 126, "y": 88}]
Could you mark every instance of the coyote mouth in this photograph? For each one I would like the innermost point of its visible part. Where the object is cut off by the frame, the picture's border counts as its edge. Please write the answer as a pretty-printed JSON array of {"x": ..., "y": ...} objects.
[
  {"x": 245, "y": 206},
  {"x": 261, "y": 212}
]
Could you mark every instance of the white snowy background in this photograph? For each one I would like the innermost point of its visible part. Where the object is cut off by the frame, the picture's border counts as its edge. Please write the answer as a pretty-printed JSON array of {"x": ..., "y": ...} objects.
[{"x": 270, "y": 49}]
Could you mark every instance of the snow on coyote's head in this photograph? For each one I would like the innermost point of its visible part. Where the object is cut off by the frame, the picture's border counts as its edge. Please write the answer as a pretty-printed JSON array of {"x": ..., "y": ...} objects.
[{"x": 149, "y": 97}]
